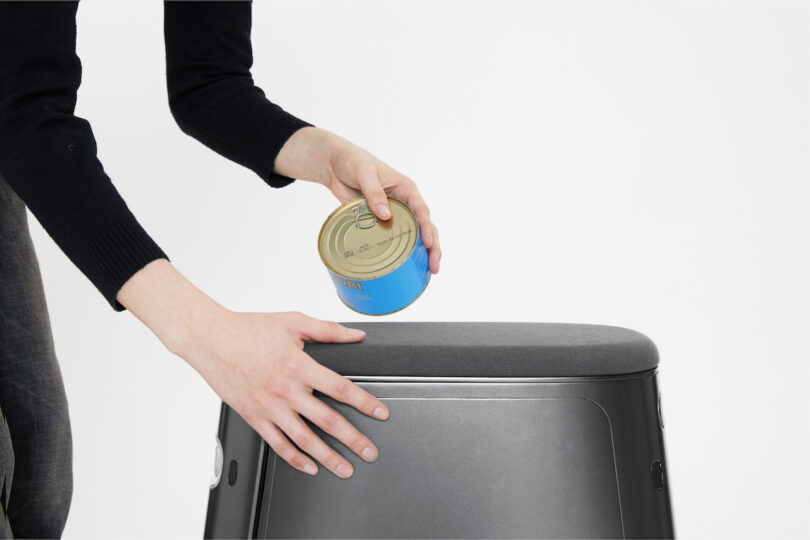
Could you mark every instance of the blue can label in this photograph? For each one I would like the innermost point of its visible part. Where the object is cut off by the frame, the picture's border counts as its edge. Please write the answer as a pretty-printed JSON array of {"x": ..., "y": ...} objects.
[{"x": 390, "y": 292}]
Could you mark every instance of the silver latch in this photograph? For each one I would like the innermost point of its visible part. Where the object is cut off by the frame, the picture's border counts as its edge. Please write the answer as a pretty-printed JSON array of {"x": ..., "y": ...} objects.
[{"x": 218, "y": 459}]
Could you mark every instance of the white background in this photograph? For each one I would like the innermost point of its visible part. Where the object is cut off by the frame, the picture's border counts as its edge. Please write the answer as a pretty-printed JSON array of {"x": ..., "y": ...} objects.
[{"x": 640, "y": 164}]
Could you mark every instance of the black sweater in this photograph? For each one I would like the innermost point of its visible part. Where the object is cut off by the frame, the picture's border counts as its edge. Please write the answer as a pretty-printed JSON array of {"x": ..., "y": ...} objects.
[{"x": 48, "y": 155}]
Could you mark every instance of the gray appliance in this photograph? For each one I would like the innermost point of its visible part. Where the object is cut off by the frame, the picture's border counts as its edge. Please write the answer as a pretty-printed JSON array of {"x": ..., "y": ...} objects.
[{"x": 497, "y": 430}]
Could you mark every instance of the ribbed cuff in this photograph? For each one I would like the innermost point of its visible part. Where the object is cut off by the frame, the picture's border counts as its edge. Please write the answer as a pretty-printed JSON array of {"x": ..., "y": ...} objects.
[
  {"x": 115, "y": 254},
  {"x": 268, "y": 144}
]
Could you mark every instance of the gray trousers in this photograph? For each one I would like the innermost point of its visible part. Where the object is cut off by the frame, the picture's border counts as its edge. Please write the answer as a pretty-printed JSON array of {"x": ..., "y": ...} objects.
[{"x": 36, "y": 456}]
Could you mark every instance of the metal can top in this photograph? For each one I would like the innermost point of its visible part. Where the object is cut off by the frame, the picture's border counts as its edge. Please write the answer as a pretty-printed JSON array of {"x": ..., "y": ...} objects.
[{"x": 355, "y": 245}]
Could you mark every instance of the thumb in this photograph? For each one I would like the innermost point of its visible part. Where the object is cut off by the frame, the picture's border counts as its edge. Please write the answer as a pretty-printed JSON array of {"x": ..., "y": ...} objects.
[
  {"x": 369, "y": 182},
  {"x": 329, "y": 331}
]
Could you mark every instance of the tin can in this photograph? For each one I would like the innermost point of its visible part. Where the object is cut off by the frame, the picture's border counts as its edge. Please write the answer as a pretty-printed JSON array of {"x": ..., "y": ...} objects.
[{"x": 378, "y": 267}]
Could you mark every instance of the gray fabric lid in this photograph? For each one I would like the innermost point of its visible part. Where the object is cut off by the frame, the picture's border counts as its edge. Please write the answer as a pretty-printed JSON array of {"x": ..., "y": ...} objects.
[{"x": 488, "y": 349}]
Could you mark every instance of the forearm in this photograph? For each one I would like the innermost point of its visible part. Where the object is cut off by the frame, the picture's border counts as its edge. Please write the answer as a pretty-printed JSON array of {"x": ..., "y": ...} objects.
[
  {"x": 212, "y": 95},
  {"x": 48, "y": 155},
  {"x": 81, "y": 210}
]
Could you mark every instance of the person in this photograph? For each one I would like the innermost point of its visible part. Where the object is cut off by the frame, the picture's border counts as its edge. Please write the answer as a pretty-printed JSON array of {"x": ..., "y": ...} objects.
[{"x": 253, "y": 361}]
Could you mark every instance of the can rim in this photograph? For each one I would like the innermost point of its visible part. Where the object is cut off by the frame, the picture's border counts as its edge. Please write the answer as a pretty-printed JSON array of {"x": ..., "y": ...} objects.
[{"x": 346, "y": 205}]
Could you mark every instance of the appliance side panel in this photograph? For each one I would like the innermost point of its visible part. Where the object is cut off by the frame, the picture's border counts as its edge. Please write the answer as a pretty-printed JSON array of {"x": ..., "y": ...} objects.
[
  {"x": 633, "y": 408},
  {"x": 231, "y": 503}
]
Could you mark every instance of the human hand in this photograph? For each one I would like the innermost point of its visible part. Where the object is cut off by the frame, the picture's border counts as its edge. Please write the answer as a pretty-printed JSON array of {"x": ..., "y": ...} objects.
[
  {"x": 348, "y": 171},
  {"x": 255, "y": 362}
]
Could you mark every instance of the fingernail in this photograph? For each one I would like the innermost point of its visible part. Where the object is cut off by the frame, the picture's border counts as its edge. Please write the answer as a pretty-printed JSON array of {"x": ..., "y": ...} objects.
[
  {"x": 369, "y": 453},
  {"x": 356, "y": 332},
  {"x": 309, "y": 468},
  {"x": 344, "y": 470},
  {"x": 384, "y": 211},
  {"x": 379, "y": 412}
]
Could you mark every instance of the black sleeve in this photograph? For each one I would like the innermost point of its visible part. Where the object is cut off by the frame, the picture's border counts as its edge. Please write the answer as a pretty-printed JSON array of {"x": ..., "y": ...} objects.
[
  {"x": 48, "y": 155},
  {"x": 212, "y": 95}
]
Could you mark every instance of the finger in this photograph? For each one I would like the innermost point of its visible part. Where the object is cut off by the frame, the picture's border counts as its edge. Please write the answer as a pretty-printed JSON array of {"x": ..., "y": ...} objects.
[
  {"x": 309, "y": 442},
  {"x": 328, "y": 331},
  {"x": 410, "y": 194},
  {"x": 342, "y": 389},
  {"x": 369, "y": 182},
  {"x": 335, "y": 424},
  {"x": 435, "y": 256},
  {"x": 426, "y": 228},
  {"x": 286, "y": 450}
]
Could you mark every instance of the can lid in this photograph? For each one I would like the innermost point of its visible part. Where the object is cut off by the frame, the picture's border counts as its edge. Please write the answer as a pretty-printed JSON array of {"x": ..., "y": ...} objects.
[{"x": 356, "y": 245}]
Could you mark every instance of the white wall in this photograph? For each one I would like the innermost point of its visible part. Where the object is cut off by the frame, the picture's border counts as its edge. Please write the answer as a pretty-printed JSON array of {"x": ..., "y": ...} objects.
[{"x": 641, "y": 164}]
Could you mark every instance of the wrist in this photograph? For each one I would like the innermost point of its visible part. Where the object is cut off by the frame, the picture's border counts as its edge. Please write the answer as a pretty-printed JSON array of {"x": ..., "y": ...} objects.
[
  {"x": 309, "y": 155},
  {"x": 177, "y": 312}
]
